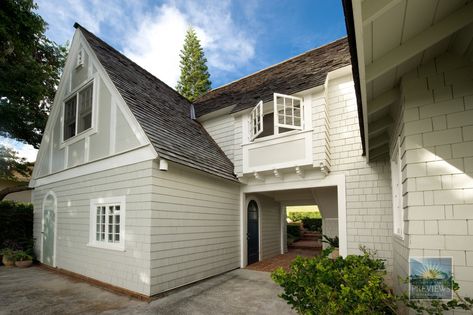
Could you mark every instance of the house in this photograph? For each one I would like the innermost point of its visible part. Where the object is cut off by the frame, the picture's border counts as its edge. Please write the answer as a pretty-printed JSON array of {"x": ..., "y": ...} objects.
[
  {"x": 415, "y": 99},
  {"x": 137, "y": 188}
]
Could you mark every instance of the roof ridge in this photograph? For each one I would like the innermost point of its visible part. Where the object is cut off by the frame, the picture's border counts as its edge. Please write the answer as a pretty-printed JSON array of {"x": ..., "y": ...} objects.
[
  {"x": 146, "y": 72},
  {"x": 274, "y": 65}
]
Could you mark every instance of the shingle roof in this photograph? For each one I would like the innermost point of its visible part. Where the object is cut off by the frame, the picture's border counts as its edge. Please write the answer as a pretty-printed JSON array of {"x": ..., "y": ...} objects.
[
  {"x": 163, "y": 114},
  {"x": 291, "y": 76}
]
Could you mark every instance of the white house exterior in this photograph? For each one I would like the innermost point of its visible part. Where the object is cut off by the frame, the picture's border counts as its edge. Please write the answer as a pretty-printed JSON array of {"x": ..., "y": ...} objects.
[{"x": 137, "y": 188}]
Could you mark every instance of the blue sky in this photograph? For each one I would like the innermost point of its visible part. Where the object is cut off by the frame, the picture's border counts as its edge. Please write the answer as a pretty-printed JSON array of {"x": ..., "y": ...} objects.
[{"x": 238, "y": 37}]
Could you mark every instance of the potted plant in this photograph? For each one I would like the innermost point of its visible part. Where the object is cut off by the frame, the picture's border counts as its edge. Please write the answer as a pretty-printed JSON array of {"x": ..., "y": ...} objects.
[
  {"x": 333, "y": 243},
  {"x": 23, "y": 260},
  {"x": 8, "y": 257}
]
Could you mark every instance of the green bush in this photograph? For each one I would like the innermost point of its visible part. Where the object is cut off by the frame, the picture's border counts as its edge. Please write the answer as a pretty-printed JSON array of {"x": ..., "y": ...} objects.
[
  {"x": 16, "y": 226},
  {"x": 22, "y": 256},
  {"x": 312, "y": 224},
  {"x": 294, "y": 229},
  {"x": 300, "y": 216},
  {"x": 351, "y": 285}
]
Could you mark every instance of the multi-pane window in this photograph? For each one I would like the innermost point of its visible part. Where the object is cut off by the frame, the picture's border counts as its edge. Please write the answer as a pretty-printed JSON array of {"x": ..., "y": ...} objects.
[
  {"x": 78, "y": 112},
  {"x": 256, "y": 120},
  {"x": 286, "y": 114},
  {"x": 107, "y": 223}
]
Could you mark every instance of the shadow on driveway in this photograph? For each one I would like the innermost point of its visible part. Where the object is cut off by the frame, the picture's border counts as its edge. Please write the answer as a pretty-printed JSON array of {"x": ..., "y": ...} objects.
[{"x": 39, "y": 291}]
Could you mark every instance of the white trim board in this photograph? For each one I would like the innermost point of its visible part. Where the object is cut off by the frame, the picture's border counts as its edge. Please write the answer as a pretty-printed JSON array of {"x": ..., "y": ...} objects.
[{"x": 126, "y": 158}]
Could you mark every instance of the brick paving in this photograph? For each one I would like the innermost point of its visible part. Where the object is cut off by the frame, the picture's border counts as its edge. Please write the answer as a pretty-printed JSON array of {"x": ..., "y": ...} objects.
[{"x": 284, "y": 261}]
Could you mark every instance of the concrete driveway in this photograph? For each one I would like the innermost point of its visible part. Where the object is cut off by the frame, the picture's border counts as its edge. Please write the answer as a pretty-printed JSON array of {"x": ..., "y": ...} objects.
[{"x": 39, "y": 291}]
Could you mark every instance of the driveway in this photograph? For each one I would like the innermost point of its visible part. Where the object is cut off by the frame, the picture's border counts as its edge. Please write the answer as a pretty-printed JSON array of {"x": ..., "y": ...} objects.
[{"x": 39, "y": 291}]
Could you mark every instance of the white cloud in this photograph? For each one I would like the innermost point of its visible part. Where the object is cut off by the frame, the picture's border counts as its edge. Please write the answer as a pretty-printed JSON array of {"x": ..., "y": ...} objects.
[
  {"x": 153, "y": 35},
  {"x": 156, "y": 43}
]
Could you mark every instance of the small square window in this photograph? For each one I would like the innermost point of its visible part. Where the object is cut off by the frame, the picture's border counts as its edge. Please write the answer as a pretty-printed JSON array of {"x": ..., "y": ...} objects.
[{"x": 107, "y": 223}]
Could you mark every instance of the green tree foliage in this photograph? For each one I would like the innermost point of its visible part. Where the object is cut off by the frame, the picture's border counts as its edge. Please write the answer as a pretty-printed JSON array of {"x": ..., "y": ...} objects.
[
  {"x": 30, "y": 69},
  {"x": 12, "y": 166},
  {"x": 194, "y": 80}
]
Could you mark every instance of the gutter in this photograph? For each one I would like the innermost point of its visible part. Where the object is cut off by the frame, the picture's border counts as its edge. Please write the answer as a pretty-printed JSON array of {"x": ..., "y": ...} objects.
[{"x": 350, "y": 25}]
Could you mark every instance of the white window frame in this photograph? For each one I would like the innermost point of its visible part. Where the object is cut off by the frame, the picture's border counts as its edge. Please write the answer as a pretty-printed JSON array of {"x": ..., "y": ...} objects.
[
  {"x": 75, "y": 93},
  {"x": 108, "y": 201},
  {"x": 277, "y": 125},
  {"x": 396, "y": 183},
  {"x": 256, "y": 121}
]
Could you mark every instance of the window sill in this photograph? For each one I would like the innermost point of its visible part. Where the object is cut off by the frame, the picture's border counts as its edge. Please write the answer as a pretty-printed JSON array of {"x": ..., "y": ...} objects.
[
  {"x": 278, "y": 136},
  {"x": 78, "y": 137},
  {"x": 115, "y": 247},
  {"x": 399, "y": 236}
]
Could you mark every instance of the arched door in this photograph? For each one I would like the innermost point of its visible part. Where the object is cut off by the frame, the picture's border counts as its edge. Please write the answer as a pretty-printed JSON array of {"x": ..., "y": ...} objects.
[
  {"x": 253, "y": 233},
  {"x": 49, "y": 222}
]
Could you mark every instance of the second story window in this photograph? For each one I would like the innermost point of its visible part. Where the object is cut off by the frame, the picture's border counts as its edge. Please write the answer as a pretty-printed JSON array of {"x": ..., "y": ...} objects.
[
  {"x": 285, "y": 113},
  {"x": 78, "y": 111}
]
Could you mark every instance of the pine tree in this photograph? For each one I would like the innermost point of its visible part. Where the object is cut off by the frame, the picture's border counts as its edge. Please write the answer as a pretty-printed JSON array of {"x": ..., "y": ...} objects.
[{"x": 194, "y": 80}]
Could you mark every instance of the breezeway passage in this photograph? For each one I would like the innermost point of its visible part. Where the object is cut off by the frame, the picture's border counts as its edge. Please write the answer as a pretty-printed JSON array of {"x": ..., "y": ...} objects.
[{"x": 39, "y": 291}]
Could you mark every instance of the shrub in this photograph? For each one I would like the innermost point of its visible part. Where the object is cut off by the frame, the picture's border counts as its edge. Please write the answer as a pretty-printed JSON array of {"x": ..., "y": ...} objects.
[
  {"x": 294, "y": 229},
  {"x": 331, "y": 241},
  {"x": 312, "y": 224},
  {"x": 22, "y": 256},
  {"x": 351, "y": 285},
  {"x": 16, "y": 225},
  {"x": 299, "y": 216}
]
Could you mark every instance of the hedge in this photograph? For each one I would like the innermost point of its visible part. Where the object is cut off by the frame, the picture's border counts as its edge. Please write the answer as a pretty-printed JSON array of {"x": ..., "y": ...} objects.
[
  {"x": 299, "y": 216},
  {"x": 312, "y": 224},
  {"x": 16, "y": 225},
  {"x": 294, "y": 229}
]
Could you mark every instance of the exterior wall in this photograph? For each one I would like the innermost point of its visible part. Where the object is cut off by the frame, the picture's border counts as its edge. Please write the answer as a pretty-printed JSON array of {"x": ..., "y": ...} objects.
[
  {"x": 222, "y": 129},
  {"x": 437, "y": 160},
  {"x": 195, "y": 227},
  {"x": 22, "y": 196},
  {"x": 368, "y": 186},
  {"x": 337, "y": 143},
  {"x": 129, "y": 269},
  {"x": 270, "y": 227}
]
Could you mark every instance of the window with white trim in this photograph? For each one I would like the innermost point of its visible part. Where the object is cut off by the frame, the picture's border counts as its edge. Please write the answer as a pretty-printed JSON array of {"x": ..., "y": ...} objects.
[
  {"x": 396, "y": 179},
  {"x": 107, "y": 223},
  {"x": 285, "y": 113},
  {"x": 78, "y": 111}
]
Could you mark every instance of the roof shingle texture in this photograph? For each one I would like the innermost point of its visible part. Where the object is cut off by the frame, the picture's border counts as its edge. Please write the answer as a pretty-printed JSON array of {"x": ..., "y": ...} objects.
[
  {"x": 291, "y": 76},
  {"x": 163, "y": 114}
]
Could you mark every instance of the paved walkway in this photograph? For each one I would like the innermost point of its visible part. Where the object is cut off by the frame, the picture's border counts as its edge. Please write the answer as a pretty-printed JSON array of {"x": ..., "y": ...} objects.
[{"x": 39, "y": 291}]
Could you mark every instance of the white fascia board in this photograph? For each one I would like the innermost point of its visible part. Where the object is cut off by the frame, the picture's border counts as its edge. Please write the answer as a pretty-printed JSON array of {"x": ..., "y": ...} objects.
[{"x": 130, "y": 157}]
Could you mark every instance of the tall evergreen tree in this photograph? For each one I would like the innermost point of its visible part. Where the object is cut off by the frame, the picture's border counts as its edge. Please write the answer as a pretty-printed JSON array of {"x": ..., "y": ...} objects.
[{"x": 195, "y": 78}]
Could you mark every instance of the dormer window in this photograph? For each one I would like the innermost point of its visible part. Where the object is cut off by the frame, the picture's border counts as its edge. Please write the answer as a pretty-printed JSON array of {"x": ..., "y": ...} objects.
[
  {"x": 285, "y": 113},
  {"x": 78, "y": 111}
]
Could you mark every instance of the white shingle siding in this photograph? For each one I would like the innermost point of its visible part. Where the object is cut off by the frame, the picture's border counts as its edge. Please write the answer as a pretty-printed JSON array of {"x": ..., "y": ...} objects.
[
  {"x": 222, "y": 130},
  {"x": 437, "y": 155},
  {"x": 368, "y": 186},
  {"x": 195, "y": 227},
  {"x": 128, "y": 269},
  {"x": 270, "y": 227}
]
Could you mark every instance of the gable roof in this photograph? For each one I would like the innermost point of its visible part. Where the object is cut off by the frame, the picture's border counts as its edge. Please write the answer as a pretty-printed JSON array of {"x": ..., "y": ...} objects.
[
  {"x": 291, "y": 76},
  {"x": 163, "y": 114}
]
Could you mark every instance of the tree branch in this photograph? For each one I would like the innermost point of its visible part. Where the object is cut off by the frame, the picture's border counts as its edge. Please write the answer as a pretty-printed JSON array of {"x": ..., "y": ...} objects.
[{"x": 9, "y": 190}]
